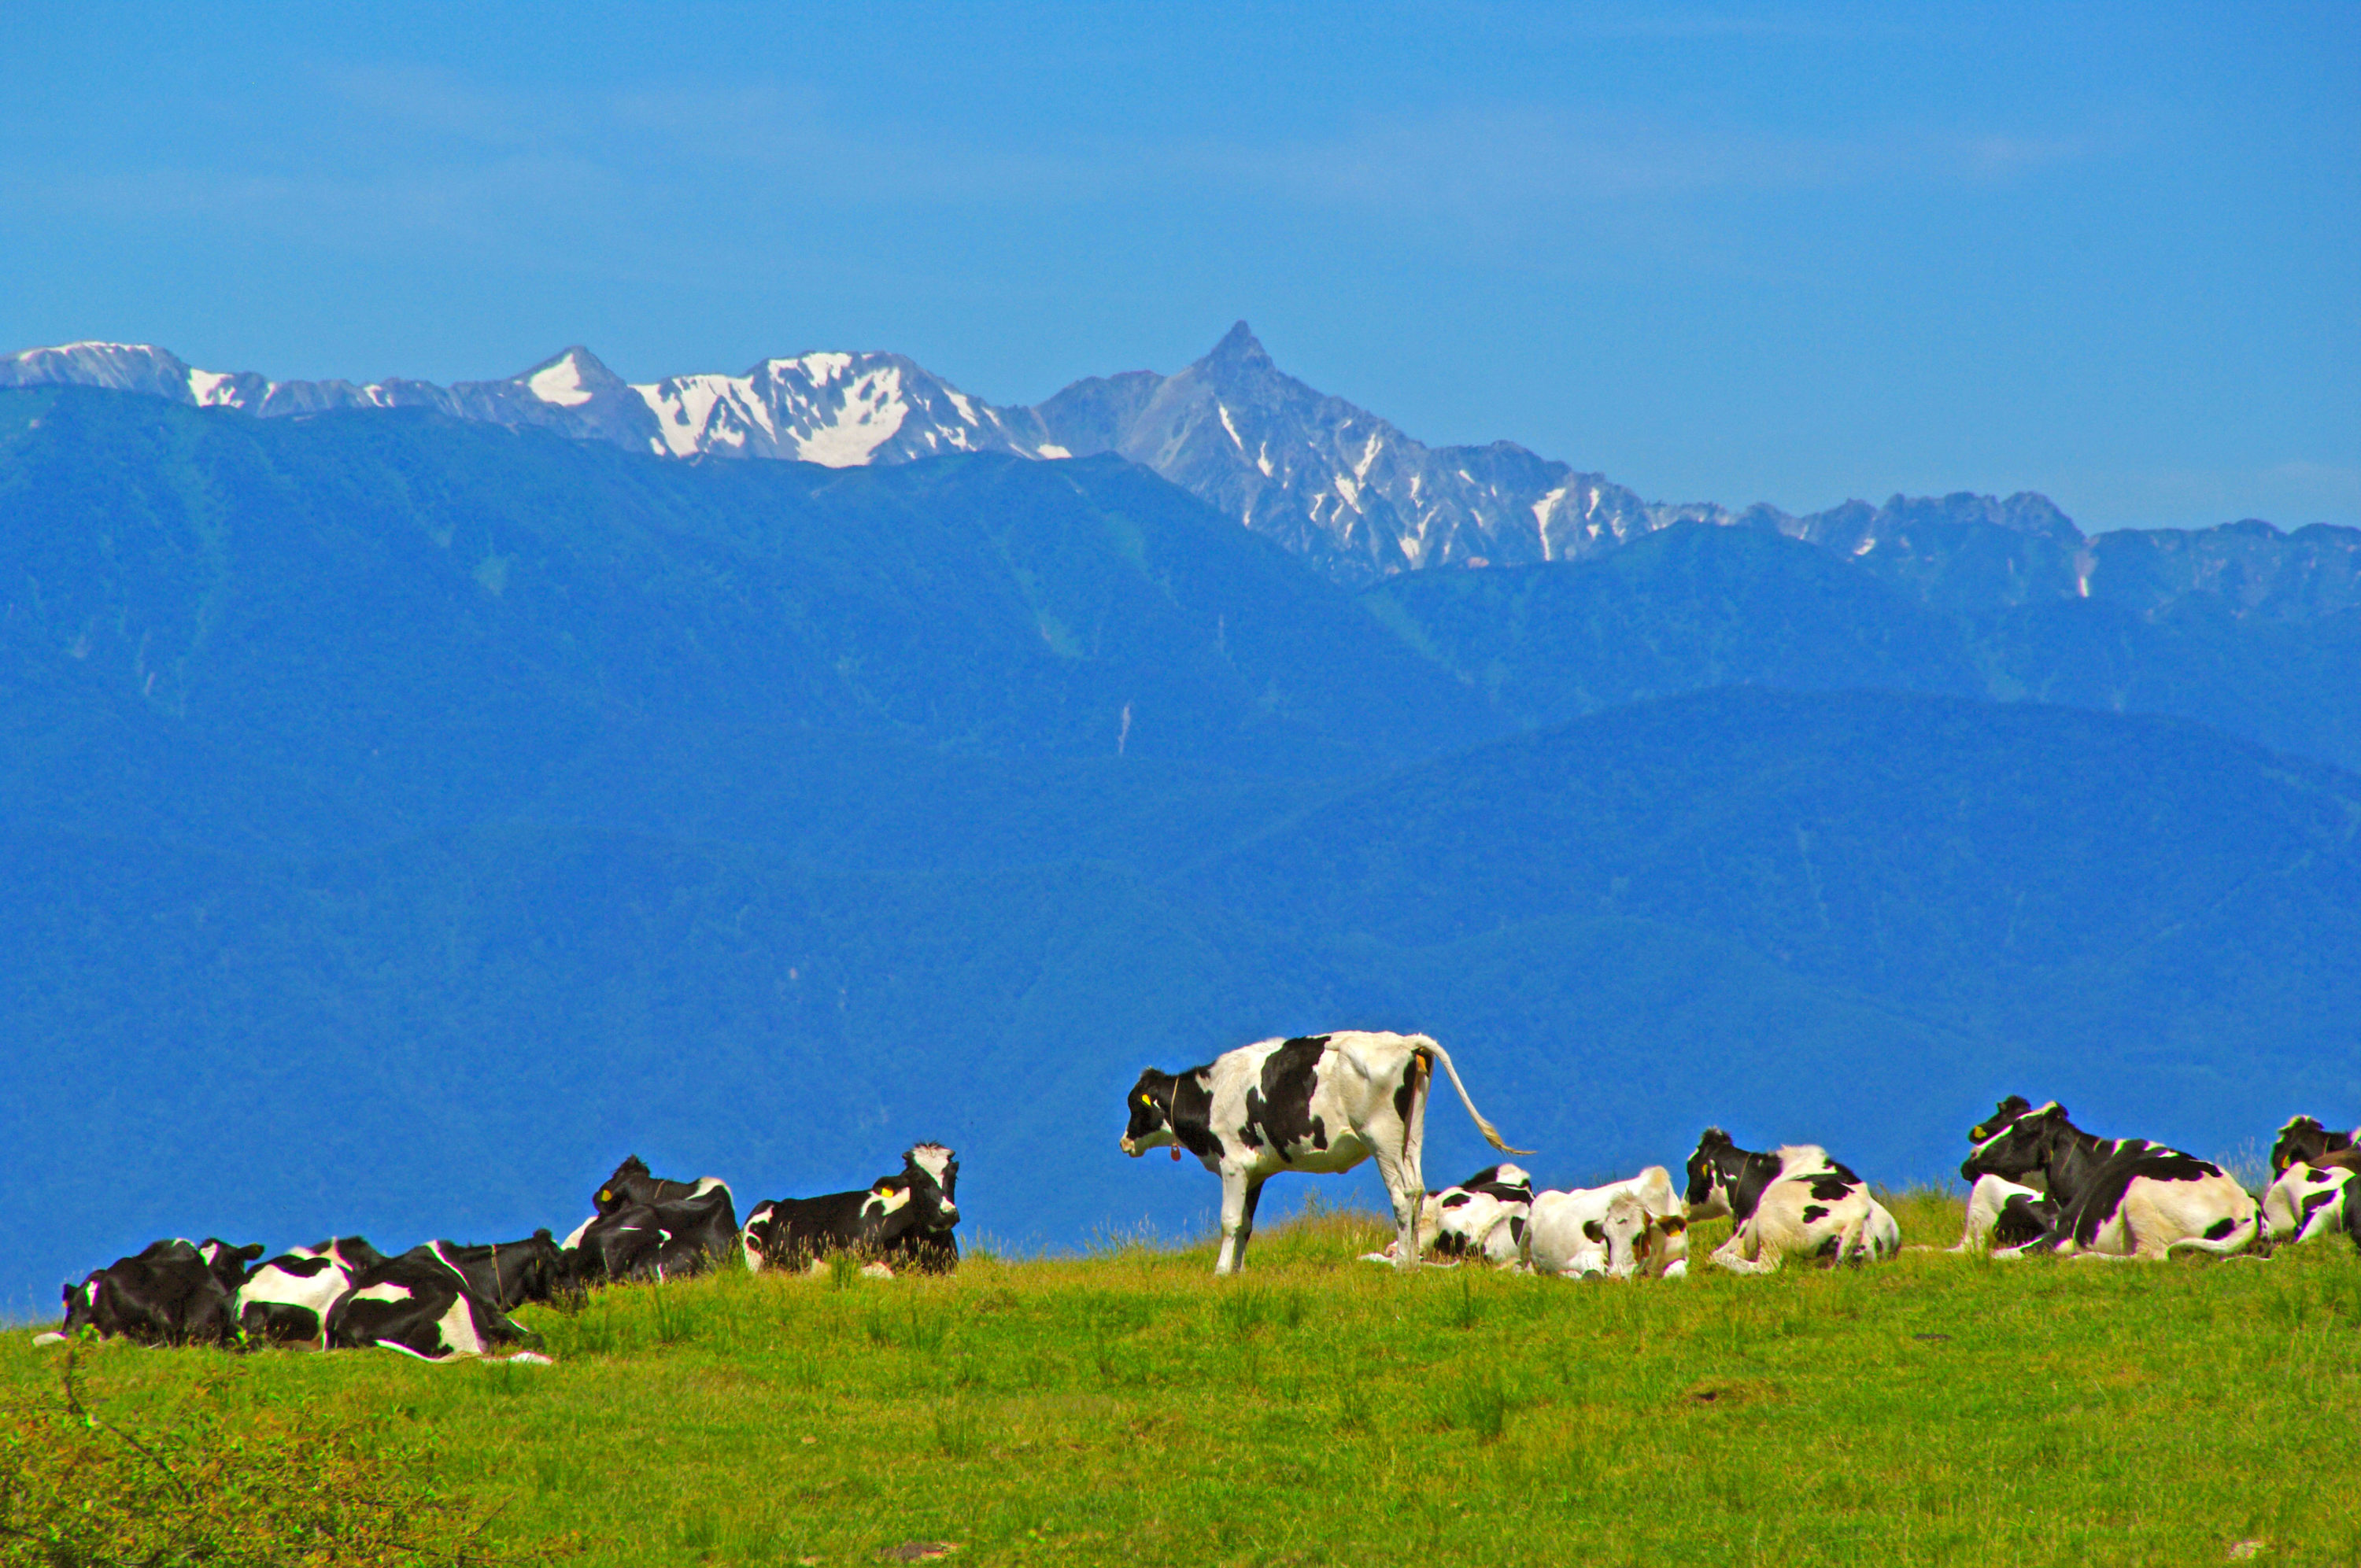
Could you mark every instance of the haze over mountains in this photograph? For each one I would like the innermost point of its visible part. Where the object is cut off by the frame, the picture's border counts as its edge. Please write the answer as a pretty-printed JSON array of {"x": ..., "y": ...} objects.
[
  {"x": 403, "y": 779},
  {"x": 1334, "y": 483}
]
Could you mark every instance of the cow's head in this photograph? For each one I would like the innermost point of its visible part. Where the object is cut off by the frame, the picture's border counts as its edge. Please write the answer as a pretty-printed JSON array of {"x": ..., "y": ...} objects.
[
  {"x": 230, "y": 1265},
  {"x": 2022, "y": 1145},
  {"x": 2007, "y": 1111},
  {"x": 1714, "y": 1169},
  {"x": 932, "y": 1163},
  {"x": 2302, "y": 1141},
  {"x": 544, "y": 1271},
  {"x": 1624, "y": 1230},
  {"x": 623, "y": 1185},
  {"x": 1150, "y": 1127},
  {"x": 82, "y": 1304}
]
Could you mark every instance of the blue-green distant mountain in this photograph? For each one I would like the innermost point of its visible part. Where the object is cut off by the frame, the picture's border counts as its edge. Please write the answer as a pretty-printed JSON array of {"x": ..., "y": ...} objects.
[{"x": 404, "y": 820}]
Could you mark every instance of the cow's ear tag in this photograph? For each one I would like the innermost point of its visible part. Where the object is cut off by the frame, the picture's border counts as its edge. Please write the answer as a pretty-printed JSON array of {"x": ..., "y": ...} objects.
[
  {"x": 1176, "y": 1152},
  {"x": 604, "y": 1195}
]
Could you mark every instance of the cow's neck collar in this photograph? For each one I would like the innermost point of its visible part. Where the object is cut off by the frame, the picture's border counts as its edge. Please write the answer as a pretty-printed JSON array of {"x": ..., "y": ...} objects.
[
  {"x": 1744, "y": 1188},
  {"x": 2070, "y": 1159}
]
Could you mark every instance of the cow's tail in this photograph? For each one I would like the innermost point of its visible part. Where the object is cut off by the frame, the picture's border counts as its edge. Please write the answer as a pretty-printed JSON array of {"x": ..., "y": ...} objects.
[
  {"x": 1427, "y": 1048},
  {"x": 2239, "y": 1240}
]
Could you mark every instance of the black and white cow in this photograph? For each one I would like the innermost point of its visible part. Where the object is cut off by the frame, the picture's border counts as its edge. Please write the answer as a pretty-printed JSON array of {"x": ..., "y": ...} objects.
[
  {"x": 1590, "y": 1231},
  {"x": 2007, "y": 1111},
  {"x": 1793, "y": 1201},
  {"x": 2117, "y": 1198},
  {"x": 508, "y": 1274},
  {"x": 351, "y": 1254},
  {"x": 422, "y": 1306},
  {"x": 633, "y": 1183},
  {"x": 908, "y": 1218},
  {"x": 2307, "y": 1202},
  {"x": 2303, "y": 1141},
  {"x": 1317, "y": 1103},
  {"x": 170, "y": 1292},
  {"x": 2003, "y": 1215},
  {"x": 659, "y": 1241},
  {"x": 287, "y": 1300},
  {"x": 1482, "y": 1217}
]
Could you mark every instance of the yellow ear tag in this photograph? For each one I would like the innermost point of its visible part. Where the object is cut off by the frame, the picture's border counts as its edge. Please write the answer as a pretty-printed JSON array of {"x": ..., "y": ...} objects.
[
  {"x": 1148, "y": 1100},
  {"x": 604, "y": 1195}
]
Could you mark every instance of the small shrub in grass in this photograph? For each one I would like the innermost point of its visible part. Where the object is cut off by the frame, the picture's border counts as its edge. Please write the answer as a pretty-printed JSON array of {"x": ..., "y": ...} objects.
[
  {"x": 1478, "y": 1405},
  {"x": 844, "y": 1271},
  {"x": 1461, "y": 1309},
  {"x": 77, "y": 1486},
  {"x": 1243, "y": 1311},
  {"x": 955, "y": 1429}
]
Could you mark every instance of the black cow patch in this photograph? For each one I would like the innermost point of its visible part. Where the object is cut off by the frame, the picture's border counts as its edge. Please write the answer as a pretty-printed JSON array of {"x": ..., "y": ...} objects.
[
  {"x": 1834, "y": 1187},
  {"x": 1405, "y": 1096},
  {"x": 1193, "y": 1117},
  {"x": 2219, "y": 1228},
  {"x": 1814, "y": 1213},
  {"x": 1279, "y": 1108},
  {"x": 1459, "y": 1199}
]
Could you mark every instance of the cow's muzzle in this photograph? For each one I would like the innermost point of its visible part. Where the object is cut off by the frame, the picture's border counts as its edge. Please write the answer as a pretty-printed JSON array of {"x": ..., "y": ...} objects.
[{"x": 1134, "y": 1150}]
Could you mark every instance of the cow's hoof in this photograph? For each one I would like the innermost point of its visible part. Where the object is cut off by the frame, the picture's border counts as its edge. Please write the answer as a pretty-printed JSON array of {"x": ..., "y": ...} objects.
[
  {"x": 876, "y": 1271},
  {"x": 528, "y": 1358},
  {"x": 1678, "y": 1271},
  {"x": 53, "y": 1338}
]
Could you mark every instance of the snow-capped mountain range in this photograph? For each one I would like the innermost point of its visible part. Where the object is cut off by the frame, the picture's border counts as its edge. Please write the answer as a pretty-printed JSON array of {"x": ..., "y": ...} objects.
[
  {"x": 1329, "y": 480},
  {"x": 1332, "y": 481}
]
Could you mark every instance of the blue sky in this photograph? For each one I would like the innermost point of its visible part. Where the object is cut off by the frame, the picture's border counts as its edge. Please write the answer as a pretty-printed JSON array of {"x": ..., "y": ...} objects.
[{"x": 1728, "y": 253}]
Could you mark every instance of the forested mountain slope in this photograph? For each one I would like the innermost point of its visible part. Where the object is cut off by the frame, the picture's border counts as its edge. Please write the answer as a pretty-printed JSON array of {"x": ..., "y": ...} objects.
[{"x": 400, "y": 820}]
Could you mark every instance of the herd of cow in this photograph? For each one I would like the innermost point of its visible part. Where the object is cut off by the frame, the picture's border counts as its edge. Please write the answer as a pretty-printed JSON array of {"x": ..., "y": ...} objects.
[
  {"x": 441, "y": 1301},
  {"x": 1315, "y": 1103},
  {"x": 1326, "y": 1102}
]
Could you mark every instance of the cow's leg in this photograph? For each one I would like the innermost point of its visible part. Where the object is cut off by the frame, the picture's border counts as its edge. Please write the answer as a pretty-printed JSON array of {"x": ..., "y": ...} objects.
[
  {"x": 1246, "y": 1221},
  {"x": 1233, "y": 1220},
  {"x": 1407, "y": 1192}
]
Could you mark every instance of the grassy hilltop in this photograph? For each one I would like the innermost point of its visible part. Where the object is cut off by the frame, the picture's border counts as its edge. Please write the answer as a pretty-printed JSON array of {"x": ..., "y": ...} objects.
[{"x": 1128, "y": 1407}]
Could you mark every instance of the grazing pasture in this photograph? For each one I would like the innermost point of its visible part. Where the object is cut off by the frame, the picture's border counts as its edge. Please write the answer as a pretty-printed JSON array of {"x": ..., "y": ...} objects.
[{"x": 1128, "y": 1406}]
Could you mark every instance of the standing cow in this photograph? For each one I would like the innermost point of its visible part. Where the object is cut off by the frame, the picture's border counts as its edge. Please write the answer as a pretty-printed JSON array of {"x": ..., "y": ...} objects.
[
  {"x": 1316, "y": 1103},
  {"x": 2117, "y": 1196}
]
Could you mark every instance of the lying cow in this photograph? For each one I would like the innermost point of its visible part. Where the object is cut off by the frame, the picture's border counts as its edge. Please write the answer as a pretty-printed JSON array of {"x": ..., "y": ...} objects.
[
  {"x": 508, "y": 1274},
  {"x": 907, "y": 1218},
  {"x": 655, "y": 1241},
  {"x": 287, "y": 1300},
  {"x": 2116, "y": 1197},
  {"x": 1638, "y": 1225},
  {"x": 1795, "y": 1201},
  {"x": 1482, "y": 1217},
  {"x": 635, "y": 1183},
  {"x": 1316, "y": 1103},
  {"x": 2307, "y": 1202},
  {"x": 2303, "y": 1141},
  {"x": 2004, "y": 1215},
  {"x": 171, "y": 1292},
  {"x": 420, "y": 1305}
]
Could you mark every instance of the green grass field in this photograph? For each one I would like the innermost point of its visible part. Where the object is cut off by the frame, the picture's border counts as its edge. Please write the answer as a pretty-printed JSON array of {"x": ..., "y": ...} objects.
[{"x": 1128, "y": 1407}]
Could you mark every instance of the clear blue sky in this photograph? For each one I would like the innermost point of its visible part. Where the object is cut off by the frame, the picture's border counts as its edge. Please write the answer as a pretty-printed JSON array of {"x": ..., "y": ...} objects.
[{"x": 1730, "y": 253}]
